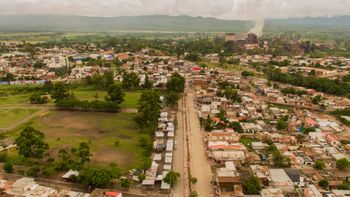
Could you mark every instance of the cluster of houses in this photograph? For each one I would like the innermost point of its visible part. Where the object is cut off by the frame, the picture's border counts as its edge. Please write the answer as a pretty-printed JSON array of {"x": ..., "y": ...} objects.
[
  {"x": 303, "y": 101},
  {"x": 76, "y": 64},
  {"x": 237, "y": 145},
  {"x": 163, "y": 149},
  {"x": 29, "y": 187}
]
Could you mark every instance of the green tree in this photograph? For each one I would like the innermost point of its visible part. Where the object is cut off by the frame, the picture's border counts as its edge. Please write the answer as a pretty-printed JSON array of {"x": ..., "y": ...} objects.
[
  {"x": 108, "y": 79},
  {"x": 101, "y": 178},
  {"x": 252, "y": 185},
  {"x": 84, "y": 152},
  {"x": 171, "y": 178},
  {"x": 33, "y": 171},
  {"x": 130, "y": 81},
  {"x": 148, "y": 109},
  {"x": 115, "y": 93},
  {"x": 281, "y": 124},
  {"x": 247, "y": 74},
  {"x": 39, "y": 65},
  {"x": 208, "y": 124},
  {"x": 30, "y": 143},
  {"x": 125, "y": 183},
  {"x": 8, "y": 77},
  {"x": 343, "y": 164},
  {"x": 8, "y": 167},
  {"x": 148, "y": 84},
  {"x": 141, "y": 177},
  {"x": 99, "y": 81},
  {"x": 171, "y": 98},
  {"x": 176, "y": 83},
  {"x": 309, "y": 130},
  {"x": 280, "y": 160},
  {"x": 194, "y": 180},
  {"x": 193, "y": 57},
  {"x": 60, "y": 92},
  {"x": 194, "y": 194},
  {"x": 48, "y": 86},
  {"x": 317, "y": 99},
  {"x": 345, "y": 185},
  {"x": 36, "y": 98},
  {"x": 319, "y": 164},
  {"x": 49, "y": 171},
  {"x": 323, "y": 183}
]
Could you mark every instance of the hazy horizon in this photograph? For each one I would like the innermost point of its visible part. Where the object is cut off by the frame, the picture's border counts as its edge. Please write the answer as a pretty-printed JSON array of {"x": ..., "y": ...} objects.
[{"x": 220, "y": 9}]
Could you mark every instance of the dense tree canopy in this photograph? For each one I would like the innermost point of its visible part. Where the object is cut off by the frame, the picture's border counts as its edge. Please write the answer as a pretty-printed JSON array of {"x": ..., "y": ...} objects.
[
  {"x": 30, "y": 143},
  {"x": 252, "y": 185},
  {"x": 325, "y": 85},
  {"x": 343, "y": 164},
  {"x": 171, "y": 98},
  {"x": 84, "y": 152},
  {"x": 115, "y": 94},
  {"x": 101, "y": 178},
  {"x": 176, "y": 83},
  {"x": 130, "y": 81},
  {"x": 171, "y": 178},
  {"x": 60, "y": 92},
  {"x": 319, "y": 164},
  {"x": 148, "y": 109}
]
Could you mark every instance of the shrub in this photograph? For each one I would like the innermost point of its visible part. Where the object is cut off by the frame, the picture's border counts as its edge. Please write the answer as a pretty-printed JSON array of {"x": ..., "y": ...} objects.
[
  {"x": 8, "y": 167},
  {"x": 94, "y": 106},
  {"x": 37, "y": 98},
  {"x": 323, "y": 183},
  {"x": 3, "y": 157},
  {"x": 117, "y": 142},
  {"x": 49, "y": 171},
  {"x": 33, "y": 171}
]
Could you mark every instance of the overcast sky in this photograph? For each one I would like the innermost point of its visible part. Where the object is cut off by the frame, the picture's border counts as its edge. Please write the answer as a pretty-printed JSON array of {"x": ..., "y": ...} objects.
[{"x": 224, "y": 9}]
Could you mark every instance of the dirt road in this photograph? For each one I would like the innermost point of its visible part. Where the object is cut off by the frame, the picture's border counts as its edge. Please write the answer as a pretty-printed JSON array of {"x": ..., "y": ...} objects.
[
  {"x": 200, "y": 167},
  {"x": 180, "y": 154}
]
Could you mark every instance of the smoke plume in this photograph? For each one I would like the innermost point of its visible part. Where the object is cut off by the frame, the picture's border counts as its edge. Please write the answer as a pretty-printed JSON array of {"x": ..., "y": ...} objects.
[
  {"x": 255, "y": 10},
  {"x": 258, "y": 29}
]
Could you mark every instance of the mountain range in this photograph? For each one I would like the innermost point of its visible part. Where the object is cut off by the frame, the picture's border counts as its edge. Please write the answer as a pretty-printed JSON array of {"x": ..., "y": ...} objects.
[{"x": 161, "y": 23}]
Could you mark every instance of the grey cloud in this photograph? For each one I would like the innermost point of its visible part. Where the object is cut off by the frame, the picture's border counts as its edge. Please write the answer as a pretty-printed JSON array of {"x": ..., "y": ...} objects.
[{"x": 224, "y": 9}]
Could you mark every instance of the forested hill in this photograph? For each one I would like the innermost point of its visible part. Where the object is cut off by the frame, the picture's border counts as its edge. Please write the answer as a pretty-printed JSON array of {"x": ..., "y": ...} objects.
[
  {"x": 310, "y": 24},
  {"x": 163, "y": 24},
  {"x": 110, "y": 24}
]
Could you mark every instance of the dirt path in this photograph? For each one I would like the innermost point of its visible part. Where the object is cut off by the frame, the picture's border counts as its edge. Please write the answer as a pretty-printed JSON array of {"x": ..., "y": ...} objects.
[
  {"x": 200, "y": 167},
  {"x": 128, "y": 110},
  {"x": 26, "y": 119}
]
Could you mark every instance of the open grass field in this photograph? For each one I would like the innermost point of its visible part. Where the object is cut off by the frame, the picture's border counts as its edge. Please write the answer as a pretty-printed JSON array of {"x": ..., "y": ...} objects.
[
  {"x": 11, "y": 116},
  {"x": 13, "y": 97},
  {"x": 65, "y": 129},
  {"x": 130, "y": 101},
  {"x": 18, "y": 99},
  {"x": 235, "y": 68}
]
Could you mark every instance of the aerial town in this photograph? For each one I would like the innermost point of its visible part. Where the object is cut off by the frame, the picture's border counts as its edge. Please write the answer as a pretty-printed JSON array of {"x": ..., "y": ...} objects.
[
  {"x": 205, "y": 127},
  {"x": 154, "y": 99}
]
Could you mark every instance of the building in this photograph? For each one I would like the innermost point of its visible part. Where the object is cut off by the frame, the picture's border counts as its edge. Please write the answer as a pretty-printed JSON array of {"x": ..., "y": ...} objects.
[
  {"x": 230, "y": 37},
  {"x": 312, "y": 191},
  {"x": 58, "y": 62},
  {"x": 281, "y": 180},
  {"x": 227, "y": 178},
  {"x": 272, "y": 192}
]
